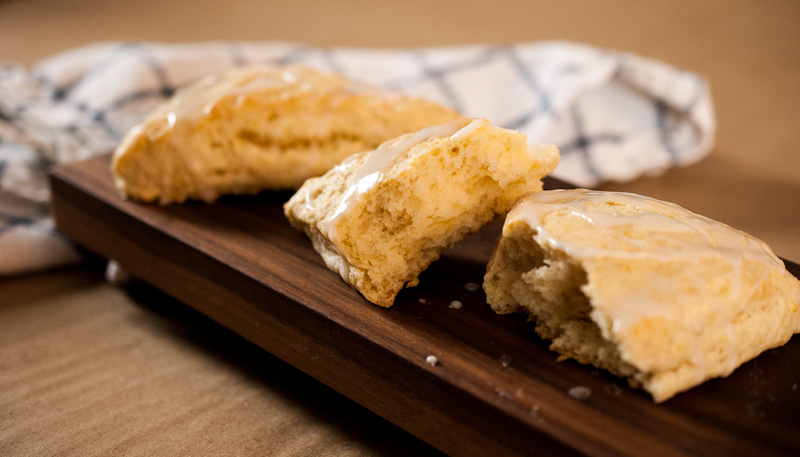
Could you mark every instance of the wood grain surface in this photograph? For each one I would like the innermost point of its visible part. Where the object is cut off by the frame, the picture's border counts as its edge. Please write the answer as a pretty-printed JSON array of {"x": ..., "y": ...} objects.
[{"x": 496, "y": 389}]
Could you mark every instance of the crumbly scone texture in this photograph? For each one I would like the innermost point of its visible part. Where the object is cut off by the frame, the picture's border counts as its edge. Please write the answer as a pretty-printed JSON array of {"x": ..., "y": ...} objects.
[
  {"x": 665, "y": 322},
  {"x": 432, "y": 196},
  {"x": 258, "y": 128}
]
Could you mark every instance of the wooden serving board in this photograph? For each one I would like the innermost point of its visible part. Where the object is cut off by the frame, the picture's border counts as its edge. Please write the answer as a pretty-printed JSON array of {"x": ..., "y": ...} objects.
[{"x": 496, "y": 389}]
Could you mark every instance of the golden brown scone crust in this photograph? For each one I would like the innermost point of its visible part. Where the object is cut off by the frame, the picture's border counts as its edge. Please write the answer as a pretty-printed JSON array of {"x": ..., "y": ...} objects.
[
  {"x": 642, "y": 288},
  {"x": 259, "y": 128},
  {"x": 427, "y": 198}
]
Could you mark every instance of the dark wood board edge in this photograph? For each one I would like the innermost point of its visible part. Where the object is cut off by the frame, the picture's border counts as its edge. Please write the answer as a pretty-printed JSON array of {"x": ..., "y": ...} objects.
[{"x": 449, "y": 419}]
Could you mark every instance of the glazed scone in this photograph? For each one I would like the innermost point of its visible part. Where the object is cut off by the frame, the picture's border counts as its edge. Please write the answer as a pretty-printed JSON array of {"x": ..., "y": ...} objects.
[
  {"x": 381, "y": 217},
  {"x": 258, "y": 128},
  {"x": 642, "y": 288}
]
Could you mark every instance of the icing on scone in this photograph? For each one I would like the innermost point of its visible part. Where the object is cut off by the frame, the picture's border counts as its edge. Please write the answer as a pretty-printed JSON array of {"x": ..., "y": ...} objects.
[
  {"x": 260, "y": 128},
  {"x": 671, "y": 219},
  {"x": 628, "y": 227},
  {"x": 382, "y": 216},
  {"x": 200, "y": 97},
  {"x": 380, "y": 161}
]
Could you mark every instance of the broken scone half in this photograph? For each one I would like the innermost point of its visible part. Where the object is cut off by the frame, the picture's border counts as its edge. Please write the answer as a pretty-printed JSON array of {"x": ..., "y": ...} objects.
[
  {"x": 258, "y": 128},
  {"x": 381, "y": 217},
  {"x": 642, "y": 288}
]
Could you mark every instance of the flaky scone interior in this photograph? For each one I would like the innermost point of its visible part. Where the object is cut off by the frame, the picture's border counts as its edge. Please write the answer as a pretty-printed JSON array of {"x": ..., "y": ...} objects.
[
  {"x": 381, "y": 217},
  {"x": 260, "y": 128},
  {"x": 642, "y": 288}
]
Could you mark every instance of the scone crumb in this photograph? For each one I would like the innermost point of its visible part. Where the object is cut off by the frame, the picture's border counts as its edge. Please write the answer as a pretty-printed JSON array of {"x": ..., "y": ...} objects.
[
  {"x": 580, "y": 392},
  {"x": 432, "y": 360},
  {"x": 471, "y": 286},
  {"x": 423, "y": 301},
  {"x": 455, "y": 304},
  {"x": 505, "y": 360},
  {"x": 613, "y": 390},
  {"x": 536, "y": 414}
]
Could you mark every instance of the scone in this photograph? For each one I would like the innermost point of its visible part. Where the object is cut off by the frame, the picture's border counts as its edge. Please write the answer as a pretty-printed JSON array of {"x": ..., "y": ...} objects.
[
  {"x": 642, "y": 288},
  {"x": 259, "y": 128},
  {"x": 381, "y": 217}
]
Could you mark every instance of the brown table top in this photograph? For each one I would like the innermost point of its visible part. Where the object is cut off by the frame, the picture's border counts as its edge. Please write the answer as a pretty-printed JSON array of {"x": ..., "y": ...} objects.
[{"x": 88, "y": 368}]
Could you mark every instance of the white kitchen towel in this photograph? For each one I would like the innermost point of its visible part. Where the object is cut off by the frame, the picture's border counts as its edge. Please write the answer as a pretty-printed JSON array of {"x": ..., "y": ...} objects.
[{"x": 613, "y": 115}]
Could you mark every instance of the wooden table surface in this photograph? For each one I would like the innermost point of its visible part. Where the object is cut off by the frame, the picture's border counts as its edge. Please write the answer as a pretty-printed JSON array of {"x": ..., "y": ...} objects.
[{"x": 87, "y": 368}]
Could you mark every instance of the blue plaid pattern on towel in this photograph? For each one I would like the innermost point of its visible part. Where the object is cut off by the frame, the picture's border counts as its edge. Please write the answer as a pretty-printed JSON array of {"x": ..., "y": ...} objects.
[{"x": 613, "y": 116}]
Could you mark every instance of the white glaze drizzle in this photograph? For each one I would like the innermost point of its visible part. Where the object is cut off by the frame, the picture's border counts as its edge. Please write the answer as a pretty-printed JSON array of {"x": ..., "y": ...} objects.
[
  {"x": 379, "y": 162},
  {"x": 718, "y": 240},
  {"x": 718, "y": 235},
  {"x": 200, "y": 97}
]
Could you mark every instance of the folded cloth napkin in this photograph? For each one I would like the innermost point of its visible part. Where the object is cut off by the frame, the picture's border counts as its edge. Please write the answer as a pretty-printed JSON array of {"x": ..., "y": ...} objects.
[{"x": 613, "y": 116}]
